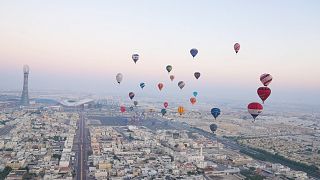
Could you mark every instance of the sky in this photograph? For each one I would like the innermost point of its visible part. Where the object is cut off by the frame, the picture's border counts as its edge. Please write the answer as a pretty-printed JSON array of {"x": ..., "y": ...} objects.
[{"x": 82, "y": 45}]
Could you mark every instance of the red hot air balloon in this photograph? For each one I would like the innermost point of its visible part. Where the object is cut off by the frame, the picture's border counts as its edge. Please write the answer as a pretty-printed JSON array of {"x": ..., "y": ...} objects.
[
  {"x": 264, "y": 93},
  {"x": 131, "y": 95},
  {"x": 193, "y": 100},
  {"x": 255, "y": 109},
  {"x": 266, "y": 79},
  {"x": 236, "y": 47},
  {"x": 123, "y": 109},
  {"x": 165, "y": 104},
  {"x": 160, "y": 86}
]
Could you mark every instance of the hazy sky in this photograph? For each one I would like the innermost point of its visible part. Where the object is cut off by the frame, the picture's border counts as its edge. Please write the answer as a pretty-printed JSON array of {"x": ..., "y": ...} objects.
[{"x": 82, "y": 45}]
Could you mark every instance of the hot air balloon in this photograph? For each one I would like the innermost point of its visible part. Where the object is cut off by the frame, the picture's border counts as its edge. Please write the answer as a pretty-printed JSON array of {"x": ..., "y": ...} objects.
[
  {"x": 255, "y": 109},
  {"x": 236, "y": 47},
  {"x": 181, "y": 84},
  {"x": 194, "y": 52},
  {"x": 169, "y": 68},
  {"x": 142, "y": 85},
  {"x": 266, "y": 79},
  {"x": 135, "y": 103},
  {"x": 160, "y": 86},
  {"x": 123, "y": 109},
  {"x": 119, "y": 77},
  {"x": 131, "y": 95},
  {"x": 213, "y": 127},
  {"x": 135, "y": 57},
  {"x": 215, "y": 112},
  {"x": 197, "y": 75},
  {"x": 264, "y": 93},
  {"x": 171, "y": 77},
  {"x": 165, "y": 104},
  {"x": 131, "y": 108},
  {"x": 163, "y": 112},
  {"x": 195, "y": 93},
  {"x": 193, "y": 100},
  {"x": 180, "y": 110}
]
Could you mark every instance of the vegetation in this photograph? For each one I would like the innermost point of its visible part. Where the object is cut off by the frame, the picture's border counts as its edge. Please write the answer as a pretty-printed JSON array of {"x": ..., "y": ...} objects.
[
  {"x": 251, "y": 175},
  {"x": 276, "y": 158},
  {"x": 56, "y": 156},
  {"x": 5, "y": 172}
]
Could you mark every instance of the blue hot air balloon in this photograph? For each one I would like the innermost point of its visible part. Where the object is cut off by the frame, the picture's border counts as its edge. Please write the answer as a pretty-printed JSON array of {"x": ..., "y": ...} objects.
[
  {"x": 215, "y": 112},
  {"x": 142, "y": 85},
  {"x": 194, "y": 52},
  {"x": 163, "y": 112},
  {"x": 195, "y": 93}
]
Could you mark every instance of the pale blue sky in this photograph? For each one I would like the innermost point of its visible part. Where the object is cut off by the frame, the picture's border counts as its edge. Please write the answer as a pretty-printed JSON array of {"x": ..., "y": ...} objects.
[{"x": 82, "y": 45}]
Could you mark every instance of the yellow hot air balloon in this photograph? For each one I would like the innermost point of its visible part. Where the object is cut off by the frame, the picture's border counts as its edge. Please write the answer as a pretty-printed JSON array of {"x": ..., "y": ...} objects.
[{"x": 180, "y": 110}]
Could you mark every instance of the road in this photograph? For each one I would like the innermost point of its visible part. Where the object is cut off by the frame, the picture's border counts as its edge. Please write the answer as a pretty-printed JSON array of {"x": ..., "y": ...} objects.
[{"x": 81, "y": 153}]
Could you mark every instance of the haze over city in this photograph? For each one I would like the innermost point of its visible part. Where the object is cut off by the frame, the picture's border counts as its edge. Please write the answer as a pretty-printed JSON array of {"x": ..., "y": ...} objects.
[{"x": 203, "y": 90}]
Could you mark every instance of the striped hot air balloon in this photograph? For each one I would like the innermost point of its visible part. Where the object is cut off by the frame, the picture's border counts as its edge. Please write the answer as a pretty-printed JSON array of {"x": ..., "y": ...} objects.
[
  {"x": 236, "y": 47},
  {"x": 266, "y": 79},
  {"x": 181, "y": 110},
  {"x": 255, "y": 109}
]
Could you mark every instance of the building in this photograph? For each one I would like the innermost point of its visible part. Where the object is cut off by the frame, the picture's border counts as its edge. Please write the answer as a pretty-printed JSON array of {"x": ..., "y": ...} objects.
[{"x": 25, "y": 93}]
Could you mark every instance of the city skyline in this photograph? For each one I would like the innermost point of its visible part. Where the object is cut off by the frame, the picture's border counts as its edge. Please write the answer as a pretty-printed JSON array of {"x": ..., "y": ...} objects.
[{"x": 82, "y": 46}]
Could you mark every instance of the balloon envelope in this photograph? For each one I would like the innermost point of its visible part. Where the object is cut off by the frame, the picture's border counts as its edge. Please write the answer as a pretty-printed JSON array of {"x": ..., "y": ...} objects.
[
  {"x": 123, "y": 109},
  {"x": 131, "y": 108},
  {"x": 213, "y": 127},
  {"x": 255, "y": 109},
  {"x": 195, "y": 93},
  {"x": 264, "y": 93},
  {"x": 193, "y": 100},
  {"x": 171, "y": 77},
  {"x": 160, "y": 86},
  {"x": 194, "y": 52},
  {"x": 236, "y": 47},
  {"x": 215, "y": 112},
  {"x": 135, "y": 57},
  {"x": 180, "y": 110},
  {"x": 266, "y": 79},
  {"x": 131, "y": 95},
  {"x": 119, "y": 77},
  {"x": 135, "y": 103},
  {"x": 165, "y": 104},
  {"x": 181, "y": 84},
  {"x": 197, "y": 75},
  {"x": 163, "y": 112},
  {"x": 169, "y": 68},
  {"x": 142, "y": 85}
]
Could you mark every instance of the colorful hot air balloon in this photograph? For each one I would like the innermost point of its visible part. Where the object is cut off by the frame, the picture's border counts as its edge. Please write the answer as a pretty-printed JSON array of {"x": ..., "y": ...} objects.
[
  {"x": 215, "y": 112},
  {"x": 123, "y": 109},
  {"x": 160, "y": 86},
  {"x": 236, "y": 47},
  {"x": 264, "y": 93},
  {"x": 142, "y": 85},
  {"x": 197, "y": 75},
  {"x": 195, "y": 93},
  {"x": 180, "y": 110},
  {"x": 266, "y": 79},
  {"x": 169, "y": 68},
  {"x": 163, "y": 112},
  {"x": 193, "y": 100},
  {"x": 131, "y": 95},
  {"x": 135, "y": 57},
  {"x": 135, "y": 103},
  {"x": 165, "y": 104},
  {"x": 181, "y": 84},
  {"x": 213, "y": 127},
  {"x": 171, "y": 77},
  {"x": 255, "y": 109},
  {"x": 194, "y": 52},
  {"x": 119, "y": 77}
]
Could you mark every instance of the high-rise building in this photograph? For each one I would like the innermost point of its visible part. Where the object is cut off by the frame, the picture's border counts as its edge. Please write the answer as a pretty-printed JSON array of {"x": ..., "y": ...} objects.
[{"x": 25, "y": 94}]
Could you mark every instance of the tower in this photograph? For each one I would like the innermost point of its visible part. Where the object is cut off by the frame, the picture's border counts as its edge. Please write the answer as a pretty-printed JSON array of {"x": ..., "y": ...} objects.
[{"x": 25, "y": 94}]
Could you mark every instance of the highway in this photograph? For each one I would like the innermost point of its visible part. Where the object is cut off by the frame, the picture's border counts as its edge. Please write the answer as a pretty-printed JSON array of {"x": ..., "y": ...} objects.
[{"x": 81, "y": 153}]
